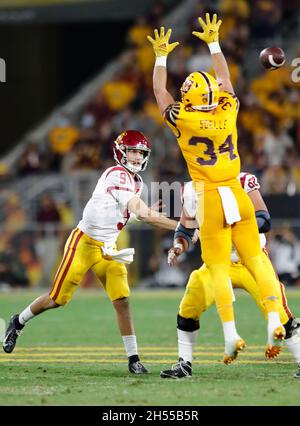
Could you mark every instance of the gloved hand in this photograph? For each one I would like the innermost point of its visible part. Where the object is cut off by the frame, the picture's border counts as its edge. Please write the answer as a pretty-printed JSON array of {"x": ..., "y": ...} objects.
[
  {"x": 161, "y": 44},
  {"x": 210, "y": 29}
]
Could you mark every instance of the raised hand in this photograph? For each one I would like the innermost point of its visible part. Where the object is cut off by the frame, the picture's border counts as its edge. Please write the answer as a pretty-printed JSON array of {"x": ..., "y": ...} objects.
[
  {"x": 161, "y": 44},
  {"x": 210, "y": 29}
]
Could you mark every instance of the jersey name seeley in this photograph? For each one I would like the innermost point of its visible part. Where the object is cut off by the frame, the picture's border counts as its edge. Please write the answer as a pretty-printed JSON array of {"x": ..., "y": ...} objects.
[{"x": 213, "y": 124}]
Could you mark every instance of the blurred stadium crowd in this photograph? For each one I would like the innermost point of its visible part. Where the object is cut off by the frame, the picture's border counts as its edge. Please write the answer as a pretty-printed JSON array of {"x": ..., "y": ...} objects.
[{"x": 268, "y": 125}]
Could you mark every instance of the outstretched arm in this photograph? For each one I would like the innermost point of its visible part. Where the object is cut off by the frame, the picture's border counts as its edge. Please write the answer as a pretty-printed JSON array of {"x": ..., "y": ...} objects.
[
  {"x": 161, "y": 49},
  {"x": 146, "y": 214},
  {"x": 211, "y": 36}
]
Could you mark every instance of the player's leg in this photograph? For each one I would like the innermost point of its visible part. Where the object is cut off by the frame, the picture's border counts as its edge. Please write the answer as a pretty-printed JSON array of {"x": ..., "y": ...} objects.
[
  {"x": 113, "y": 276},
  {"x": 197, "y": 298},
  {"x": 75, "y": 262},
  {"x": 291, "y": 325},
  {"x": 241, "y": 278},
  {"x": 216, "y": 246},
  {"x": 246, "y": 240}
]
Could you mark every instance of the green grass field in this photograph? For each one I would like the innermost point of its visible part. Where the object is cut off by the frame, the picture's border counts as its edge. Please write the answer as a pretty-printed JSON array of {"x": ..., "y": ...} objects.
[{"x": 75, "y": 356}]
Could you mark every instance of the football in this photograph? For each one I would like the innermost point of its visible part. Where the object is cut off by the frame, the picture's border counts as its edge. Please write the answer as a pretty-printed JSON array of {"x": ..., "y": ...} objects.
[{"x": 272, "y": 58}]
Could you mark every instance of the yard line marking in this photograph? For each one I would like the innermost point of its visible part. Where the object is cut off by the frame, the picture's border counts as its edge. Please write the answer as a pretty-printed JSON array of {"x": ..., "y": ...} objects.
[
  {"x": 123, "y": 362},
  {"x": 146, "y": 354},
  {"x": 121, "y": 348}
]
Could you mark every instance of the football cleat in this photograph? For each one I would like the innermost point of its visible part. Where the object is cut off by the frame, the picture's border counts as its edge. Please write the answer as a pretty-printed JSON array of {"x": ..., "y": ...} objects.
[
  {"x": 137, "y": 368},
  {"x": 292, "y": 328},
  {"x": 232, "y": 349},
  {"x": 277, "y": 338},
  {"x": 178, "y": 371},
  {"x": 11, "y": 335}
]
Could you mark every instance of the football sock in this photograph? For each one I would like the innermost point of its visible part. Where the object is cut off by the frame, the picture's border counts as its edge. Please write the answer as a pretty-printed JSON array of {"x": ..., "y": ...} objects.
[
  {"x": 186, "y": 343},
  {"x": 25, "y": 315},
  {"x": 130, "y": 345},
  {"x": 229, "y": 330},
  {"x": 273, "y": 322},
  {"x": 223, "y": 291},
  {"x": 266, "y": 285}
]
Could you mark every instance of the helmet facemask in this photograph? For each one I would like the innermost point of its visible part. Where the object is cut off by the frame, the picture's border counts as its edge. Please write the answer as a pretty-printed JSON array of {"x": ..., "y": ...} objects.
[{"x": 122, "y": 158}]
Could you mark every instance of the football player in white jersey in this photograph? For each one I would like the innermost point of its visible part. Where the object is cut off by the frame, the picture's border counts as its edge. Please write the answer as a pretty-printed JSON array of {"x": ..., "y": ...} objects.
[
  {"x": 92, "y": 244},
  {"x": 199, "y": 297}
]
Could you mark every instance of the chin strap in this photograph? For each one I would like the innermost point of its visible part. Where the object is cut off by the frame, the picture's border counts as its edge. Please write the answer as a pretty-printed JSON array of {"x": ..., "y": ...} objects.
[{"x": 132, "y": 168}]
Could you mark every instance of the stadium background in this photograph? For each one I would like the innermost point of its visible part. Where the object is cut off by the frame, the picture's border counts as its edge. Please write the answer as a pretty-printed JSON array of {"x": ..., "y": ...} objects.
[{"x": 78, "y": 73}]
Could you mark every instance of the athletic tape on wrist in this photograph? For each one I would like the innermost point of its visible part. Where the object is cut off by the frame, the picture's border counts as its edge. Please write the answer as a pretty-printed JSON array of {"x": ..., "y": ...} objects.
[
  {"x": 214, "y": 47},
  {"x": 161, "y": 61},
  {"x": 179, "y": 246}
]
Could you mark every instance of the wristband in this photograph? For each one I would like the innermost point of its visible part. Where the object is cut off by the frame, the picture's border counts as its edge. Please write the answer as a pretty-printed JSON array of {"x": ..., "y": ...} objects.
[
  {"x": 263, "y": 220},
  {"x": 185, "y": 233},
  {"x": 214, "y": 47},
  {"x": 161, "y": 61}
]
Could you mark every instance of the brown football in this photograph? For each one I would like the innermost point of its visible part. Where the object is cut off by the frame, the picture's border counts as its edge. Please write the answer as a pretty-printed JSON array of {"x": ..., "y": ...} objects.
[{"x": 272, "y": 58}]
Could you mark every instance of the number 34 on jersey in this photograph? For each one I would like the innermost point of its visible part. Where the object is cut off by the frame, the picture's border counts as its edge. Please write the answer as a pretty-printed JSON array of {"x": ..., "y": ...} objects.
[{"x": 210, "y": 151}]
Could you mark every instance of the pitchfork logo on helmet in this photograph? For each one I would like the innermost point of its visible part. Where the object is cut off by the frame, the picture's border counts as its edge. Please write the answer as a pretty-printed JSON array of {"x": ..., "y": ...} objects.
[
  {"x": 131, "y": 140},
  {"x": 200, "y": 90}
]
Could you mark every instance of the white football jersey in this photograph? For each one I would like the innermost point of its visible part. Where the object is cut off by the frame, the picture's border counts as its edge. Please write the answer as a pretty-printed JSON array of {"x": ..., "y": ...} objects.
[
  {"x": 189, "y": 202},
  {"x": 105, "y": 214}
]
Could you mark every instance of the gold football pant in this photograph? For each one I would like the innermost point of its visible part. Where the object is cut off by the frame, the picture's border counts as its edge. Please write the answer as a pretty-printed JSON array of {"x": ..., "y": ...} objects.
[
  {"x": 216, "y": 242},
  {"x": 82, "y": 253},
  {"x": 199, "y": 294}
]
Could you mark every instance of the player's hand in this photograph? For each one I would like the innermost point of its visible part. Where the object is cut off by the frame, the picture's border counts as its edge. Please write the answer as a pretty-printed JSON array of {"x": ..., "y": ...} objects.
[
  {"x": 210, "y": 29},
  {"x": 161, "y": 44},
  {"x": 173, "y": 254}
]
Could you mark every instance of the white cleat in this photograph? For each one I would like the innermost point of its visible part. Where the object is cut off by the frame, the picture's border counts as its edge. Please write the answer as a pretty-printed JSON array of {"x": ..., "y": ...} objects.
[
  {"x": 275, "y": 341},
  {"x": 232, "y": 348}
]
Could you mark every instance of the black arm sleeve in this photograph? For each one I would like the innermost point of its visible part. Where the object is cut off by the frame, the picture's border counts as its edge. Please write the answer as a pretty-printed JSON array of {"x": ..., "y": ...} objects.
[
  {"x": 183, "y": 232},
  {"x": 263, "y": 220}
]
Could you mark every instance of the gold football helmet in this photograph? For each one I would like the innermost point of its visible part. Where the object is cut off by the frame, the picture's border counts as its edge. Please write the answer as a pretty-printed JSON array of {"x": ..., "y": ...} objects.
[{"x": 200, "y": 90}]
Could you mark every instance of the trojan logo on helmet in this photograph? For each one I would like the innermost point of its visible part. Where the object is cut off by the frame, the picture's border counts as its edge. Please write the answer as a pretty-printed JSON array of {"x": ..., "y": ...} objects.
[
  {"x": 200, "y": 90},
  {"x": 131, "y": 140}
]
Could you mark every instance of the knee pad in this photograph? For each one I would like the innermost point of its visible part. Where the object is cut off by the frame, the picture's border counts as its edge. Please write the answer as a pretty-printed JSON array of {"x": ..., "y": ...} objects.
[{"x": 187, "y": 324}]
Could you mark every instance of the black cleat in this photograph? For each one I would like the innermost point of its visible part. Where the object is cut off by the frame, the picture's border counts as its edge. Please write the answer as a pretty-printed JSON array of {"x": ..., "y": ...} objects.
[
  {"x": 292, "y": 327},
  {"x": 297, "y": 374},
  {"x": 178, "y": 371},
  {"x": 137, "y": 368},
  {"x": 11, "y": 335}
]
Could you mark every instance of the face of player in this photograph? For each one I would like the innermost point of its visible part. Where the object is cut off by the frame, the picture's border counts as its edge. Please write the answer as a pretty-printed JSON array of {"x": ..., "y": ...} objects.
[{"x": 135, "y": 157}]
